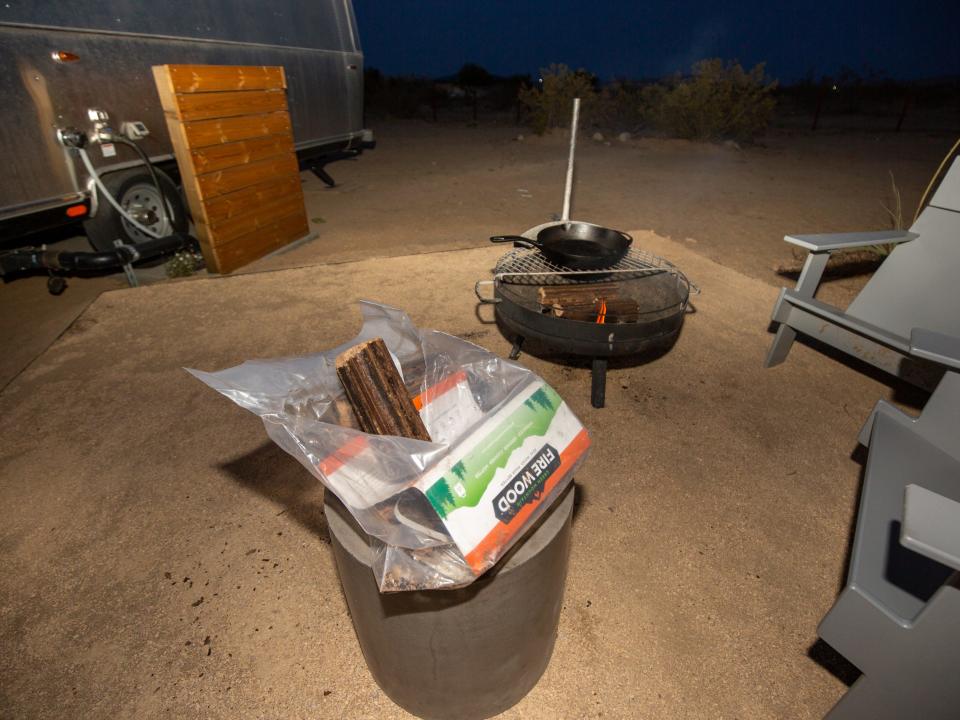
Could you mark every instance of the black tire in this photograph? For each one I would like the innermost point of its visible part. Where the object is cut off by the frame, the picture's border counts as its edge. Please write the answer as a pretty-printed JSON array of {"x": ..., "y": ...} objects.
[{"x": 134, "y": 186}]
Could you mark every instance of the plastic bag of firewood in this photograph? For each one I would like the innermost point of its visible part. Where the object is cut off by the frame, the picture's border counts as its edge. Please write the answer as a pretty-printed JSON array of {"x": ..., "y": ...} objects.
[{"x": 440, "y": 512}]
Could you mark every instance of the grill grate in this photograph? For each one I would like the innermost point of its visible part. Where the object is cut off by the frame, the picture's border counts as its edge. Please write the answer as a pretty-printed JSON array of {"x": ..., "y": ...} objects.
[{"x": 530, "y": 267}]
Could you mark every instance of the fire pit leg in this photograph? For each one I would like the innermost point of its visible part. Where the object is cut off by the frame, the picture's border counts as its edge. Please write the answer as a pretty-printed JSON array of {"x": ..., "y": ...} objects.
[
  {"x": 517, "y": 344},
  {"x": 598, "y": 386}
]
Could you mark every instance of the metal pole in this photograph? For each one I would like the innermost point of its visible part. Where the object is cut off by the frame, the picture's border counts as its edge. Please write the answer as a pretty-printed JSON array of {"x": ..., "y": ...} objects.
[{"x": 568, "y": 190}]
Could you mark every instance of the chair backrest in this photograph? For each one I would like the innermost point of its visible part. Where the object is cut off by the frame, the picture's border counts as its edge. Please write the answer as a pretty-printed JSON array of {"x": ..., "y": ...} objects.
[{"x": 918, "y": 285}]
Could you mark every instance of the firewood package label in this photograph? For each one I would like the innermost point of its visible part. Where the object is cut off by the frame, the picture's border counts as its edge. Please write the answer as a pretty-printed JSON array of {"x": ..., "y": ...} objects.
[{"x": 493, "y": 481}]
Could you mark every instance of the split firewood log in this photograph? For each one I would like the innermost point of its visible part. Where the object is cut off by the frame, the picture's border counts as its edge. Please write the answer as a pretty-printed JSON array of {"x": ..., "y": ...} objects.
[
  {"x": 559, "y": 297},
  {"x": 616, "y": 310},
  {"x": 377, "y": 393}
]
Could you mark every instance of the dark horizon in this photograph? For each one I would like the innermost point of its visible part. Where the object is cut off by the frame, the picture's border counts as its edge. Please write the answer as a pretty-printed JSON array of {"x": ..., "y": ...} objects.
[{"x": 432, "y": 38}]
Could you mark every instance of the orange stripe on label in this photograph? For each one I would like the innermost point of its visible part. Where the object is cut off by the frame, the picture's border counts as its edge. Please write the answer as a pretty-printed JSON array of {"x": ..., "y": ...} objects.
[
  {"x": 501, "y": 534},
  {"x": 435, "y": 391},
  {"x": 342, "y": 455}
]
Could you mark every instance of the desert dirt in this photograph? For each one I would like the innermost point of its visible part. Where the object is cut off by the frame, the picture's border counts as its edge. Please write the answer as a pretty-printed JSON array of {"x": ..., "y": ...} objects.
[
  {"x": 164, "y": 558},
  {"x": 430, "y": 187}
]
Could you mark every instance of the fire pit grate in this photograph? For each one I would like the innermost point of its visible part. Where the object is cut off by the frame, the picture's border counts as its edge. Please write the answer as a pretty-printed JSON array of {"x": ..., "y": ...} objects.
[{"x": 530, "y": 267}]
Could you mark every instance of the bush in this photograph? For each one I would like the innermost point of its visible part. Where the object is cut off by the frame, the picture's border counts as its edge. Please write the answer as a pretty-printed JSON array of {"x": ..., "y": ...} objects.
[
  {"x": 623, "y": 105},
  {"x": 550, "y": 105},
  {"x": 718, "y": 101}
]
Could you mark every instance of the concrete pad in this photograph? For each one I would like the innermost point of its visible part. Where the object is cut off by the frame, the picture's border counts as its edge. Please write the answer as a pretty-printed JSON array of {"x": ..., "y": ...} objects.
[{"x": 164, "y": 558}]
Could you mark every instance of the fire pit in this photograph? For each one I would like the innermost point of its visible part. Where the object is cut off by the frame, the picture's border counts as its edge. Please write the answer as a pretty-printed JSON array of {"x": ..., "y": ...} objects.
[
  {"x": 632, "y": 307},
  {"x": 621, "y": 302}
]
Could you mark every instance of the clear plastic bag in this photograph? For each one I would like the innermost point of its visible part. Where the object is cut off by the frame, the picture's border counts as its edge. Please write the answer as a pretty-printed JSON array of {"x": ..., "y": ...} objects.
[{"x": 390, "y": 484}]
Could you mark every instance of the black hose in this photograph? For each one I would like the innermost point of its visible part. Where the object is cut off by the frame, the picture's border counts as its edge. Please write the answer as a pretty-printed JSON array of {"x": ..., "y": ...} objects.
[
  {"x": 33, "y": 259},
  {"x": 164, "y": 209}
]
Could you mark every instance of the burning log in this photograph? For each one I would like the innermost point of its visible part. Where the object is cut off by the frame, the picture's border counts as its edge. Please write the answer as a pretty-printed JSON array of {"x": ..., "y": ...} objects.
[
  {"x": 617, "y": 310},
  {"x": 377, "y": 393},
  {"x": 588, "y": 302},
  {"x": 582, "y": 295}
]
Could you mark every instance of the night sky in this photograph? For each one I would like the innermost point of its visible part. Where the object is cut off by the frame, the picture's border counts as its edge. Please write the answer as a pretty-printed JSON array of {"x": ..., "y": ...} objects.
[{"x": 906, "y": 40}]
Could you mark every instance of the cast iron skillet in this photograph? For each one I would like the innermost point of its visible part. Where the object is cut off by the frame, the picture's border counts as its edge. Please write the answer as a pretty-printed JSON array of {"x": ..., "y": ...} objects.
[{"x": 578, "y": 246}]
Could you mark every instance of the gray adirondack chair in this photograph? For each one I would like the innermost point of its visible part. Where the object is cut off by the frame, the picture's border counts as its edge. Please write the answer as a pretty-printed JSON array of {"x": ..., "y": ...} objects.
[
  {"x": 915, "y": 287},
  {"x": 898, "y": 618}
]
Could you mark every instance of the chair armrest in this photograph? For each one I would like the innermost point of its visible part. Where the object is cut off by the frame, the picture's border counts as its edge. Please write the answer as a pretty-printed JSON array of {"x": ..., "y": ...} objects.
[
  {"x": 931, "y": 525},
  {"x": 847, "y": 241},
  {"x": 940, "y": 348}
]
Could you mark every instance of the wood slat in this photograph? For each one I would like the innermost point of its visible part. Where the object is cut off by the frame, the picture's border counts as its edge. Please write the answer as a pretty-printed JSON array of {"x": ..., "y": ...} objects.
[
  {"x": 249, "y": 247},
  {"x": 246, "y": 201},
  {"x": 262, "y": 216},
  {"x": 241, "y": 176},
  {"x": 220, "y": 78},
  {"x": 220, "y": 157},
  {"x": 203, "y": 133},
  {"x": 203, "y": 106}
]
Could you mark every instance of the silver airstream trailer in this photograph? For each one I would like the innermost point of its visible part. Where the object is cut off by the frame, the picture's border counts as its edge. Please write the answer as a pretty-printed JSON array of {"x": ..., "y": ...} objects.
[{"x": 66, "y": 62}]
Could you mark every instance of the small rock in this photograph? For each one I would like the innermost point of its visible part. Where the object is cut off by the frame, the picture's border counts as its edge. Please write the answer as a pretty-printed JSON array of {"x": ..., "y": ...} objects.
[
  {"x": 624, "y": 137},
  {"x": 519, "y": 138},
  {"x": 598, "y": 137}
]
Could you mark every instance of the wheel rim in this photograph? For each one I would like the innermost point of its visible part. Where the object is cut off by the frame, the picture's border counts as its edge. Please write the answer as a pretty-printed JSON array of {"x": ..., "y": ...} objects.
[{"x": 145, "y": 197}]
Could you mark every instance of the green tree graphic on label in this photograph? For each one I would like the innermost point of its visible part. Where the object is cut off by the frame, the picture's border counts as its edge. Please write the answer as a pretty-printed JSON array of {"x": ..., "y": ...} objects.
[{"x": 470, "y": 477}]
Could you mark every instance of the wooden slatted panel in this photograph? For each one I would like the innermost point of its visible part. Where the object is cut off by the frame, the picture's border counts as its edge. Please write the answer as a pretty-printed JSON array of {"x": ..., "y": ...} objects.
[
  {"x": 203, "y": 106},
  {"x": 220, "y": 78},
  {"x": 222, "y": 182},
  {"x": 231, "y": 133},
  {"x": 277, "y": 207},
  {"x": 221, "y": 157},
  {"x": 264, "y": 240},
  {"x": 246, "y": 201},
  {"x": 203, "y": 133}
]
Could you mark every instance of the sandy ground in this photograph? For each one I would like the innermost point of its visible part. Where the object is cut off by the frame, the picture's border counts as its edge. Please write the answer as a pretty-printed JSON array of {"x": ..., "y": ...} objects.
[
  {"x": 163, "y": 558},
  {"x": 431, "y": 187}
]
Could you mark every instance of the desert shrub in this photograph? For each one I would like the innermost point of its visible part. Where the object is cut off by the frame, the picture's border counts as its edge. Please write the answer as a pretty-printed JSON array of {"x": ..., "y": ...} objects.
[
  {"x": 718, "y": 101},
  {"x": 549, "y": 105},
  {"x": 623, "y": 105}
]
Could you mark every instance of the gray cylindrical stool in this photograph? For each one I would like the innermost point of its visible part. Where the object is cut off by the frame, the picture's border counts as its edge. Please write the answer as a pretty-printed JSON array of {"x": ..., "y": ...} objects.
[{"x": 469, "y": 653}]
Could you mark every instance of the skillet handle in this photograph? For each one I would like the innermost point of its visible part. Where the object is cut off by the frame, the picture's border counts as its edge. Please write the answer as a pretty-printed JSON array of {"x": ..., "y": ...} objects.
[{"x": 517, "y": 240}]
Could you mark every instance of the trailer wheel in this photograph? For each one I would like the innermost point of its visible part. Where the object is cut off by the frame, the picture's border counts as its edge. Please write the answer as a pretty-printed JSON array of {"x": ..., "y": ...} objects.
[{"x": 136, "y": 193}]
